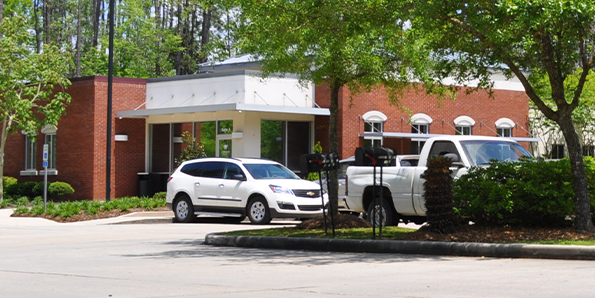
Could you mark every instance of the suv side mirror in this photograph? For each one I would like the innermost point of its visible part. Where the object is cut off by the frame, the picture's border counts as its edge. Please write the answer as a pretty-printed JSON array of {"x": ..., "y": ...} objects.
[{"x": 239, "y": 177}]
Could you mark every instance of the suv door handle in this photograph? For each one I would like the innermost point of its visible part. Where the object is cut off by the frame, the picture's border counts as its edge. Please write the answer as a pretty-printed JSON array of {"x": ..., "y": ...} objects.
[
  {"x": 221, "y": 185},
  {"x": 196, "y": 183}
]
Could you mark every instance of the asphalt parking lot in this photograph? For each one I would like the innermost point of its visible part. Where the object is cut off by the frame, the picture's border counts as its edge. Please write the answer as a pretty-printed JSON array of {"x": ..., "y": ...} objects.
[{"x": 100, "y": 258}]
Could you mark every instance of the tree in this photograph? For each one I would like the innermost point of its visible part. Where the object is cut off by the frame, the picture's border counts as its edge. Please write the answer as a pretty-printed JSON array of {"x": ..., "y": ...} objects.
[
  {"x": 192, "y": 149},
  {"x": 337, "y": 43},
  {"x": 548, "y": 38},
  {"x": 32, "y": 85}
]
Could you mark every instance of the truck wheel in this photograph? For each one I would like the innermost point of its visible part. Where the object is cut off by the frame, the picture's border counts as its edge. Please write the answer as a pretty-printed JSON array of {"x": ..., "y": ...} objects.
[{"x": 388, "y": 216}]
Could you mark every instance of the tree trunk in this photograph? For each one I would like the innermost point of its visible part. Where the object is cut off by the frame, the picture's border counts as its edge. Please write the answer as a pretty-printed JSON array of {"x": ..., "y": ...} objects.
[
  {"x": 37, "y": 30},
  {"x": 1, "y": 14},
  {"x": 204, "y": 35},
  {"x": 3, "y": 137},
  {"x": 96, "y": 13},
  {"x": 333, "y": 182},
  {"x": 78, "y": 42},
  {"x": 178, "y": 62},
  {"x": 583, "y": 219}
]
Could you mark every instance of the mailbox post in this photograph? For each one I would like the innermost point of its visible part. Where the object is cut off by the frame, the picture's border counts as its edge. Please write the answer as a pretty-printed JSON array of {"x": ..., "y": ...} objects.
[{"x": 376, "y": 157}]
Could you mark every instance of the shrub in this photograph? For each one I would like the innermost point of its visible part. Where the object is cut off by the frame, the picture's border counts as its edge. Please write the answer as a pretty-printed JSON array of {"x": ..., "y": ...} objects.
[
  {"x": 37, "y": 201},
  {"x": 526, "y": 193},
  {"x": 23, "y": 201},
  {"x": 8, "y": 181},
  {"x": 438, "y": 196},
  {"x": 38, "y": 189},
  {"x": 60, "y": 189},
  {"x": 22, "y": 189},
  {"x": 160, "y": 196}
]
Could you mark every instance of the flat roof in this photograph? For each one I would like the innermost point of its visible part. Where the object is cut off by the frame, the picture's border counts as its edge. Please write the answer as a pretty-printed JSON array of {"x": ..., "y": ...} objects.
[{"x": 222, "y": 107}]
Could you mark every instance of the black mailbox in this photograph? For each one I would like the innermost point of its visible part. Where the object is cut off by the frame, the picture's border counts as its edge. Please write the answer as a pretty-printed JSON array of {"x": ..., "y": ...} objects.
[
  {"x": 377, "y": 156},
  {"x": 318, "y": 162}
]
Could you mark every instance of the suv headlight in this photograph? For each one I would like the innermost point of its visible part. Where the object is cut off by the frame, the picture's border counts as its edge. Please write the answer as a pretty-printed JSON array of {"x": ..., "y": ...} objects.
[{"x": 281, "y": 189}]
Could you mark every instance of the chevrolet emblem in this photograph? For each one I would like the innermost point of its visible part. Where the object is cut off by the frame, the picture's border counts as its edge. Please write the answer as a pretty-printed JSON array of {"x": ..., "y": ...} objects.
[{"x": 310, "y": 193}]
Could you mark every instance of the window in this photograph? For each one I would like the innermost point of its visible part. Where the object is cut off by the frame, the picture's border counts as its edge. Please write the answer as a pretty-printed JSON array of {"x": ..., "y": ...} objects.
[
  {"x": 232, "y": 170},
  {"x": 504, "y": 127},
  {"x": 373, "y": 128},
  {"x": 213, "y": 169},
  {"x": 463, "y": 125},
  {"x": 285, "y": 141},
  {"x": 373, "y": 140},
  {"x": 420, "y": 124},
  {"x": 463, "y": 130},
  {"x": 504, "y": 132},
  {"x": 557, "y": 151},
  {"x": 30, "y": 153},
  {"x": 588, "y": 150},
  {"x": 418, "y": 144}
]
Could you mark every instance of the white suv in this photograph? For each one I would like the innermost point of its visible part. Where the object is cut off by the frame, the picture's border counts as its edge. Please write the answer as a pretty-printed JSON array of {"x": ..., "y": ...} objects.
[{"x": 239, "y": 187}]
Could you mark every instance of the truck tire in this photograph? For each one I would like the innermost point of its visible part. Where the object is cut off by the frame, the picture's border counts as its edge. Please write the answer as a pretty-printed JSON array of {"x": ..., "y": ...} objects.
[{"x": 389, "y": 217}]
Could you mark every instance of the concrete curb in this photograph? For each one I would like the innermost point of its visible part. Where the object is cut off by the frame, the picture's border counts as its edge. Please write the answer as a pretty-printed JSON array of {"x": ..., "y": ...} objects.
[{"x": 537, "y": 251}]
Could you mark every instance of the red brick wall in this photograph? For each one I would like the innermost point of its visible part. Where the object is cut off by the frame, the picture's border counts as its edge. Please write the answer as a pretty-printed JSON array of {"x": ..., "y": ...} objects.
[
  {"x": 477, "y": 105},
  {"x": 81, "y": 140}
]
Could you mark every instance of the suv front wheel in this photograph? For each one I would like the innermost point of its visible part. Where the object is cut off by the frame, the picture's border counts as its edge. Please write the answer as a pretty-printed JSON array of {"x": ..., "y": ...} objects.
[{"x": 258, "y": 211}]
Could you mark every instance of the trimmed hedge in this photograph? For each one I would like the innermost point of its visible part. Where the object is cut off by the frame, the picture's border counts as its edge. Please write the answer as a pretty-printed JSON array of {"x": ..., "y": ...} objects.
[
  {"x": 60, "y": 189},
  {"x": 525, "y": 193}
]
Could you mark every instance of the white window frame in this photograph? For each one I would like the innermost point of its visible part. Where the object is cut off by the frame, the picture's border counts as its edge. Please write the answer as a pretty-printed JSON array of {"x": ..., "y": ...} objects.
[
  {"x": 504, "y": 127},
  {"x": 464, "y": 125},
  {"x": 374, "y": 127},
  {"x": 417, "y": 122},
  {"x": 30, "y": 162}
]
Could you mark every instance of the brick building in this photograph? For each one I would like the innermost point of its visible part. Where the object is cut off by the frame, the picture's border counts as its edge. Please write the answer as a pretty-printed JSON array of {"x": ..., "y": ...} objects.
[
  {"x": 236, "y": 114},
  {"x": 77, "y": 153}
]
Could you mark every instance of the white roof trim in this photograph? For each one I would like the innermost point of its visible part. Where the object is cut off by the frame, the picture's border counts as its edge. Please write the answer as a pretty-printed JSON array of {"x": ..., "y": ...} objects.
[
  {"x": 464, "y": 121},
  {"x": 222, "y": 107},
  {"x": 374, "y": 116},
  {"x": 504, "y": 123}
]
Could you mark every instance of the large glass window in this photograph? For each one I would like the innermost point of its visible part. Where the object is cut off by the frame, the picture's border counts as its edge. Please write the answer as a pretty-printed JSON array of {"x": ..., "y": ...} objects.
[
  {"x": 285, "y": 141},
  {"x": 30, "y": 153}
]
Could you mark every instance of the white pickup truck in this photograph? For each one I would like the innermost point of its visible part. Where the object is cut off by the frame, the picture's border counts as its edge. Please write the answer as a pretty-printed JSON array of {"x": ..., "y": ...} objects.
[{"x": 402, "y": 186}]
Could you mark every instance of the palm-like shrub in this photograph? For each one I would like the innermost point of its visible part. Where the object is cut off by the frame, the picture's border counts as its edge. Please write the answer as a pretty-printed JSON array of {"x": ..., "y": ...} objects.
[{"x": 439, "y": 196}]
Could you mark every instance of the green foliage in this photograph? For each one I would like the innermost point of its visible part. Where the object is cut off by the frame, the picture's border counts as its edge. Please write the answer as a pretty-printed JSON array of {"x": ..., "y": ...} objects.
[
  {"x": 439, "y": 196},
  {"x": 22, "y": 189},
  {"x": 8, "y": 181},
  {"x": 523, "y": 194},
  {"x": 37, "y": 201},
  {"x": 192, "y": 149},
  {"x": 38, "y": 189},
  {"x": 21, "y": 209},
  {"x": 317, "y": 149},
  {"x": 160, "y": 196},
  {"x": 23, "y": 201},
  {"x": 32, "y": 83},
  {"x": 60, "y": 189},
  {"x": 7, "y": 202}
]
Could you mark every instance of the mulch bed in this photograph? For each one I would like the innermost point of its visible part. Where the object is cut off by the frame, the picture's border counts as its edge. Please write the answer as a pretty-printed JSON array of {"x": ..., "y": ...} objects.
[
  {"x": 464, "y": 233},
  {"x": 84, "y": 216}
]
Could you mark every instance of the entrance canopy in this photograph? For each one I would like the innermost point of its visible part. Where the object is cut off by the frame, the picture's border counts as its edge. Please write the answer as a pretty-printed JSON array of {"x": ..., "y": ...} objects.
[{"x": 241, "y": 90}]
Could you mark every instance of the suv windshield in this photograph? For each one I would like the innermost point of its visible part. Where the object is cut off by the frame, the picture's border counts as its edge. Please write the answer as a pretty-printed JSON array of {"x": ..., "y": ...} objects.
[
  {"x": 270, "y": 171},
  {"x": 481, "y": 152}
]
